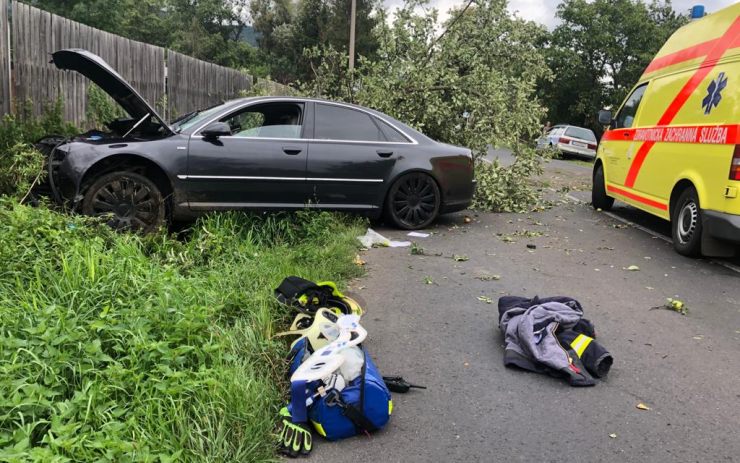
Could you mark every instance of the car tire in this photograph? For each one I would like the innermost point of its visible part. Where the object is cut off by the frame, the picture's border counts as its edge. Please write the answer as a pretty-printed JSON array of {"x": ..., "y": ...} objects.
[
  {"x": 126, "y": 201},
  {"x": 599, "y": 198},
  {"x": 413, "y": 201},
  {"x": 686, "y": 223}
]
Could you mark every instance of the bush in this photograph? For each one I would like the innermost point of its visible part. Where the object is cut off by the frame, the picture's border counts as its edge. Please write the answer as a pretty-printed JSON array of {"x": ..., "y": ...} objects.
[
  {"x": 121, "y": 348},
  {"x": 508, "y": 189},
  {"x": 20, "y": 166},
  {"x": 101, "y": 108},
  {"x": 20, "y": 163}
]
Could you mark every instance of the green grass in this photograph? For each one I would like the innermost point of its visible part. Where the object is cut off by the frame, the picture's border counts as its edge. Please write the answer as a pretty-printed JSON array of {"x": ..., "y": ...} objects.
[{"x": 119, "y": 348}]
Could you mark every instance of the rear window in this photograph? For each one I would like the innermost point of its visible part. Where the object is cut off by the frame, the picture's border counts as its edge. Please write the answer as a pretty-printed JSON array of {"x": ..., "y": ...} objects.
[
  {"x": 391, "y": 133},
  {"x": 583, "y": 134},
  {"x": 339, "y": 123}
]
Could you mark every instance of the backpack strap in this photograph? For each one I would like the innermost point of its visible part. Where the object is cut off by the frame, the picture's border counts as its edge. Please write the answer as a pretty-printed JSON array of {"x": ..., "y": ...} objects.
[
  {"x": 356, "y": 414},
  {"x": 298, "y": 411}
]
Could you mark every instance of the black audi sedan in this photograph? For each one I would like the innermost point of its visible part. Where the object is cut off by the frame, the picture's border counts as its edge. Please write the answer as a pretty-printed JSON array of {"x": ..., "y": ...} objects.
[{"x": 251, "y": 153}]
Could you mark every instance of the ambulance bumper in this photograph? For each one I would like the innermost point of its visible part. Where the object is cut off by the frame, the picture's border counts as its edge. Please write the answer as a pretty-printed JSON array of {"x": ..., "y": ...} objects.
[{"x": 722, "y": 226}]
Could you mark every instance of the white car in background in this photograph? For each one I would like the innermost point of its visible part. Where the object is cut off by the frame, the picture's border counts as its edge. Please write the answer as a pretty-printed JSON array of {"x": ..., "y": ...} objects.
[{"x": 570, "y": 140}]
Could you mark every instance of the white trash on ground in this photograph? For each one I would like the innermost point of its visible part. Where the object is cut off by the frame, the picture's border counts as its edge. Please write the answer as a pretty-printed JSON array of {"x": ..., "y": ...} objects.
[
  {"x": 372, "y": 238},
  {"x": 418, "y": 234}
]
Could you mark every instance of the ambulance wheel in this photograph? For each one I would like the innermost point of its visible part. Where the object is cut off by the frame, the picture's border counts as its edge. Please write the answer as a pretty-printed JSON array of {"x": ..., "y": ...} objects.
[
  {"x": 686, "y": 224},
  {"x": 599, "y": 199}
]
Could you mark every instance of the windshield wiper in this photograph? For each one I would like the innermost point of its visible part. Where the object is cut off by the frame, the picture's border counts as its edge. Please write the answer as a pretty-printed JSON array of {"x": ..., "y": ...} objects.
[{"x": 183, "y": 119}]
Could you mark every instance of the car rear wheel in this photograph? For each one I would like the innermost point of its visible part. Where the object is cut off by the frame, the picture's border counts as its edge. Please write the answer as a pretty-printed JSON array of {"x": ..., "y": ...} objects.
[
  {"x": 599, "y": 198},
  {"x": 125, "y": 201},
  {"x": 686, "y": 224},
  {"x": 413, "y": 201}
]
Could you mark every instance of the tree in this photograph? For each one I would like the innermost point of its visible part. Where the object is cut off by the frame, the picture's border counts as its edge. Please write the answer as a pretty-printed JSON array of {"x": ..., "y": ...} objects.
[
  {"x": 286, "y": 30},
  {"x": 599, "y": 51},
  {"x": 473, "y": 85},
  {"x": 206, "y": 29}
]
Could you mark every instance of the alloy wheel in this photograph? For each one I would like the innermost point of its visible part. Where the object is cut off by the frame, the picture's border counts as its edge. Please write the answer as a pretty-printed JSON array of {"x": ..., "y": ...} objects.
[
  {"x": 415, "y": 201},
  {"x": 126, "y": 203}
]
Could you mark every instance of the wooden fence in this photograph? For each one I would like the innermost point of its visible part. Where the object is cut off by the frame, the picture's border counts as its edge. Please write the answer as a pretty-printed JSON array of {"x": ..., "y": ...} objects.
[
  {"x": 195, "y": 84},
  {"x": 4, "y": 59},
  {"x": 159, "y": 75}
]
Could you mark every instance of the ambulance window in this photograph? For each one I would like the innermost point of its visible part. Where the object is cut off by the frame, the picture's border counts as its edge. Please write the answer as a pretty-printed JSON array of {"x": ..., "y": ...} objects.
[{"x": 626, "y": 116}]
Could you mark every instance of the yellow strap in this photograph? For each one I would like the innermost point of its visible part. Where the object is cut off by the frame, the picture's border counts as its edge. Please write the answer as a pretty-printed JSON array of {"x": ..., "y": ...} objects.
[
  {"x": 333, "y": 286},
  {"x": 580, "y": 343},
  {"x": 319, "y": 428}
]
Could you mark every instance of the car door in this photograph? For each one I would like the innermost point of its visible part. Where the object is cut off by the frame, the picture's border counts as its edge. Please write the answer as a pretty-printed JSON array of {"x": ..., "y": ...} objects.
[
  {"x": 350, "y": 156},
  {"x": 261, "y": 164},
  {"x": 618, "y": 144}
]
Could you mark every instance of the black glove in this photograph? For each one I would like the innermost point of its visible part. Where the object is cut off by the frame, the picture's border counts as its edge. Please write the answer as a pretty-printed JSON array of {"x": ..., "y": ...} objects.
[{"x": 295, "y": 438}]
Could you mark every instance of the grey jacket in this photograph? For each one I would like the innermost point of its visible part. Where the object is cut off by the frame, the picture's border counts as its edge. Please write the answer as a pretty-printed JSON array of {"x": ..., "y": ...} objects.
[{"x": 530, "y": 341}]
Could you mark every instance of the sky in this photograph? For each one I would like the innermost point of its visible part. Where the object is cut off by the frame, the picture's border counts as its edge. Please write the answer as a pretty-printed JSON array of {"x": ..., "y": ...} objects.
[{"x": 543, "y": 11}]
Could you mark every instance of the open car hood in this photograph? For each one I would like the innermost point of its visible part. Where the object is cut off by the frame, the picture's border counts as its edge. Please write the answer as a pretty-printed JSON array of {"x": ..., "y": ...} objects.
[{"x": 97, "y": 70}]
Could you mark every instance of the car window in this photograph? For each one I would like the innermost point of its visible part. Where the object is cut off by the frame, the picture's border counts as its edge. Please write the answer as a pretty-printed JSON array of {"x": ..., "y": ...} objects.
[
  {"x": 391, "y": 134},
  {"x": 578, "y": 132},
  {"x": 270, "y": 120},
  {"x": 626, "y": 117},
  {"x": 339, "y": 123}
]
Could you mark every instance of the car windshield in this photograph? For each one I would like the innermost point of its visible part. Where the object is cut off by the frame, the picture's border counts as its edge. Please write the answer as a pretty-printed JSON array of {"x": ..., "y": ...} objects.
[
  {"x": 583, "y": 134},
  {"x": 194, "y": 118}
]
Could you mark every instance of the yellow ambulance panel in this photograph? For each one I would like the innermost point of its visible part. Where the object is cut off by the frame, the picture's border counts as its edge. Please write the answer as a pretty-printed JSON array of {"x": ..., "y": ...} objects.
[{"x": 672, "y": 149}]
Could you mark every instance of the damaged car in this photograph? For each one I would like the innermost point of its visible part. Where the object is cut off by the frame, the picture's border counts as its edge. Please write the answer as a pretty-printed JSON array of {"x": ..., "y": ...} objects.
[{"x": 260, "y": 153}]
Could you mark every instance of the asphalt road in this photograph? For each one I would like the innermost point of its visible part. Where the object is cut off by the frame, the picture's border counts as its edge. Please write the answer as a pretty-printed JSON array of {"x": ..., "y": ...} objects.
[{"x": 426, "y": 322}]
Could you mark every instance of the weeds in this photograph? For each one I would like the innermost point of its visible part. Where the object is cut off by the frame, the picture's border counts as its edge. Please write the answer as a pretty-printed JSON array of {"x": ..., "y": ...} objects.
[
  {"x": 115, "y": 347},
  {"x": 20, "y": 164}
]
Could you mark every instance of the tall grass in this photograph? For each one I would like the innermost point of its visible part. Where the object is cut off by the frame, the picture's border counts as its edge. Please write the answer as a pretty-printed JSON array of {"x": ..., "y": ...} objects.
[{"x": 120, "y": 348}]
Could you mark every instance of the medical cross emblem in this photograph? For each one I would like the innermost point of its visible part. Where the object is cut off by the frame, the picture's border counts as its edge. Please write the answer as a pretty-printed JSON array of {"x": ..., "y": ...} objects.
[{"x": 714, "y": 93}]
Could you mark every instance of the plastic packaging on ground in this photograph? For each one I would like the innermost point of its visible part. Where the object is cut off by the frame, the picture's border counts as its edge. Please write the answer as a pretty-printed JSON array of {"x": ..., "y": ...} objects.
[{"x": 372, "y": 238}]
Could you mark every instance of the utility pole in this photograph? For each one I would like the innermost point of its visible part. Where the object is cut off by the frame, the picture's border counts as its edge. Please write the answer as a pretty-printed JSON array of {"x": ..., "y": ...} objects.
[{"x": 352, "y": 36}]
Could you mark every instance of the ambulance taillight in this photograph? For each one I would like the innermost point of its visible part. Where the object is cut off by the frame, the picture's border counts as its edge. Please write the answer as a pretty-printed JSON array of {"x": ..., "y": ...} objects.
[{"x": 735, "y": 166}]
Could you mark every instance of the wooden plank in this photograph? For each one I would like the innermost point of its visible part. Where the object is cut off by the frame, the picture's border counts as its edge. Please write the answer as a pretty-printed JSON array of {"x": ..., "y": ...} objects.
[{"x": 4, "y": 59}]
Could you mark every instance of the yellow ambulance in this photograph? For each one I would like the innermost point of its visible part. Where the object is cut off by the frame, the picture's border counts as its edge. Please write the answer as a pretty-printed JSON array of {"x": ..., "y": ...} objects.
[{"x": 673, "y": 147}]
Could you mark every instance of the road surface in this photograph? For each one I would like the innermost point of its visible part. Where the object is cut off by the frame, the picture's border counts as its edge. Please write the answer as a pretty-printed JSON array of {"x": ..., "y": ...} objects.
[{"x": 427, "y": 322}]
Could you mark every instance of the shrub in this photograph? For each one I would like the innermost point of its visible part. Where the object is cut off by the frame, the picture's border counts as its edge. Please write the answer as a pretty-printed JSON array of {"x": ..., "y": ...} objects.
[
  {"x": 20, "y": 164},
  {"x": 508, "y": 189}
]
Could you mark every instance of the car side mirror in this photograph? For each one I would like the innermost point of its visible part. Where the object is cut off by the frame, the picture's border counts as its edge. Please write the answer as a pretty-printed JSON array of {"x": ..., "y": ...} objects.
[
  {"x": 215, "y": 130},
  {"x": 605, "y": 118}
]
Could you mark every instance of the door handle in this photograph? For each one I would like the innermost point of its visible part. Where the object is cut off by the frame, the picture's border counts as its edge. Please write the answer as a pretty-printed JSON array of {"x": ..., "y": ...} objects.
[
  {"x": 292, "y": 150},
  {"x": 625, "y": 134},
  {"x": 384, "y": 153}
]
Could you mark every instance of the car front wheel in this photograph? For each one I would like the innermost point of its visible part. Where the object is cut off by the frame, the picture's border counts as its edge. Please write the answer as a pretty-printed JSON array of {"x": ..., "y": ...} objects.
[
  {"x": 125, "y": 201},
  {"x": 413, "y": 201}
]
